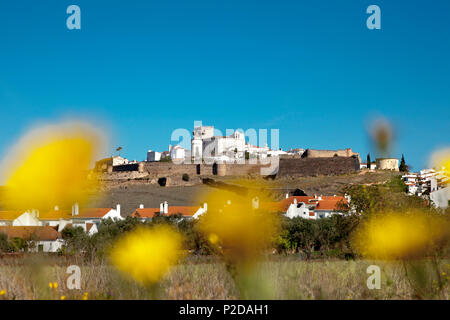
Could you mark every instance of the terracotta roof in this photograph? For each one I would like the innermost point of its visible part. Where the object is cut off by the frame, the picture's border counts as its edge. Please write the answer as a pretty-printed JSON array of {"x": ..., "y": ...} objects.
[
  {"x": 172, "y": 210},
  {"x": 93, "y": 213},
  {"x": 10, "y": 215},
  {"x": 272, "y": 206},
  {"x": 42, "y": 233},
  {"x": 285, "y": 203},
  {"x": 328, "y": 205},
  {"x": 56, "y": 215},
  {"x": 67, "y": 214},
  {"x": 89, "y": 226}
]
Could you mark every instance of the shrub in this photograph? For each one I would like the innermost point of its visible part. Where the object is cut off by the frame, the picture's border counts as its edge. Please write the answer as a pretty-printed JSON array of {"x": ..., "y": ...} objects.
[
  {"x": 166, "y": 159},
  {"x": 185, "y": 177}
]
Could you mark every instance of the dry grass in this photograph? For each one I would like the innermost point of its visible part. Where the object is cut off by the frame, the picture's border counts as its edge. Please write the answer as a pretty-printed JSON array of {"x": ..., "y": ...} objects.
[{"x": 206, "y": 278}]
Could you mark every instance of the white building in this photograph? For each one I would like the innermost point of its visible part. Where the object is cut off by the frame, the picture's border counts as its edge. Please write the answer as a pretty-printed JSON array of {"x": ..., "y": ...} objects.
[
  {"x": 186, "y": 212},
  {"x": 118, "y": 161},
  {"x": 19, "y": 218},
  {"x": 441, "y": 198},
  {"x": 205, "y": 145},
  {"x": 312, "y": 207},
  {"x": 298, "y": 209},
  {"x": 79, "y": 218},
  {"x": 425, "y": 182},
  {"x": 38, "y": 238},
  {"x": 153, "y": 156},
  {"x": 276, "y": 153},
  {"x": 177, "y": 153},
  {"x": 257, "y": 152},
  {"x": 363, "y": 165}
]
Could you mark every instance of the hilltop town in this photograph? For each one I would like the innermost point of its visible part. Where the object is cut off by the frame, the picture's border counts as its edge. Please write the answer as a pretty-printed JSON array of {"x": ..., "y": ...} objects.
[{"x": 304, "y": 183}]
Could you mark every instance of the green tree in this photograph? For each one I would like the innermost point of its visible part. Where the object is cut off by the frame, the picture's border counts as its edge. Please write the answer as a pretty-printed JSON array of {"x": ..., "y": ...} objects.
[
  {"x": 380, "y": 198},
  {"x": 166, "y": 159},
  {"x": 368, "y": 161},
  {"x": 403, "y": 167},
  {"x": 5, "y": 245}
]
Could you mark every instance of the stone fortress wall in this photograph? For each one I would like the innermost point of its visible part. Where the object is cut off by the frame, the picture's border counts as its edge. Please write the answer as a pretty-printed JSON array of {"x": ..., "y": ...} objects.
[{"x": 312, "y": 153}]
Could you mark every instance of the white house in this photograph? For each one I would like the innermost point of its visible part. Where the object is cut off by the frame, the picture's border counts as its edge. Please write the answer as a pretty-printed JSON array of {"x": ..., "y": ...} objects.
[
  {"x": 276, "y": 153},
  {"x": 298, "y": 209},
  {"x": 19, "y": 218},
  {"x": 118, "y": 161},
  {"x": 441, "y": 197},
  {"x": 255, "y": 151},
  {"x": 205, "y": 145},
  {"x": 177, "y": 153},
  {"x": 296, "y": 151},
  {"x": 187, "y": 212},
  {"x": 38, "y": 238},
  {"x": 426, "y": 181},
  {"x": 79, "y": 218},
  {"x": 153, "y": 156},
  {"x": 311, "y": 207}
]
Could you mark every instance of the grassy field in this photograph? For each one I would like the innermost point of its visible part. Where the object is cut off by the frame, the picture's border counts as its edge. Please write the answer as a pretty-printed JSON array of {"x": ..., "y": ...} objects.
[{"x": 206, "y": 278}]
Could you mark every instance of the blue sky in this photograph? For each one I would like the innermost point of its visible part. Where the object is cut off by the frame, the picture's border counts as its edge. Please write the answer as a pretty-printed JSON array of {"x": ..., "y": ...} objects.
[{"x": 140, "y": 69}]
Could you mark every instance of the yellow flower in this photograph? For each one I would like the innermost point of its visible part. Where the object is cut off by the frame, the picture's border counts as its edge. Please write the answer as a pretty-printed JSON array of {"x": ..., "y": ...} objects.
[
  {"x": 63, "y": 297},
  {"x": 2, "y": 292},
  {"x": 398, "y": 235},
  {"x": 85, "y": 296},
  {"x": 53, "y": 285},
  {"x": 441, "y": 160},
  {"x": 240, "y": 222},
  {"x": 56, "y": 157},
  {"x": 213, "y": 238},
  {"x": 146, "y": 254}
]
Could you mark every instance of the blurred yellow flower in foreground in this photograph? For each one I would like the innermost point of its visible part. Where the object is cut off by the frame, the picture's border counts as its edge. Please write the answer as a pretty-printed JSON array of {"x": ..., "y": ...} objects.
[
  {"x": 50, "y": 166},
  {"x": 399, "y": 235},
  {"x": 237, "y": 222},
  {"x": 63, "y": 297},
  {"x": 85, "y": 296},
  {"x": 441, "y": 160},
  {"x": 2, "y": 292},
  {"x": 146, "y": 254}
]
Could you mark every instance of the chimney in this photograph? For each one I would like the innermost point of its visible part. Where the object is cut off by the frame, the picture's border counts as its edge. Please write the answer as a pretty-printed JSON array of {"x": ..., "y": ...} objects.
[
  {"x": 141, "y": 206},
  {"x": 118, "y": 209},
  {"x": 75, "y": 209},
  {"x": 166, "y": 207},
  {"x": 205, "y": 206},
  {"x": 161, "y": 208},
  {"x": 287, "y": 195},
  {"x": 295, "y": 200}
]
